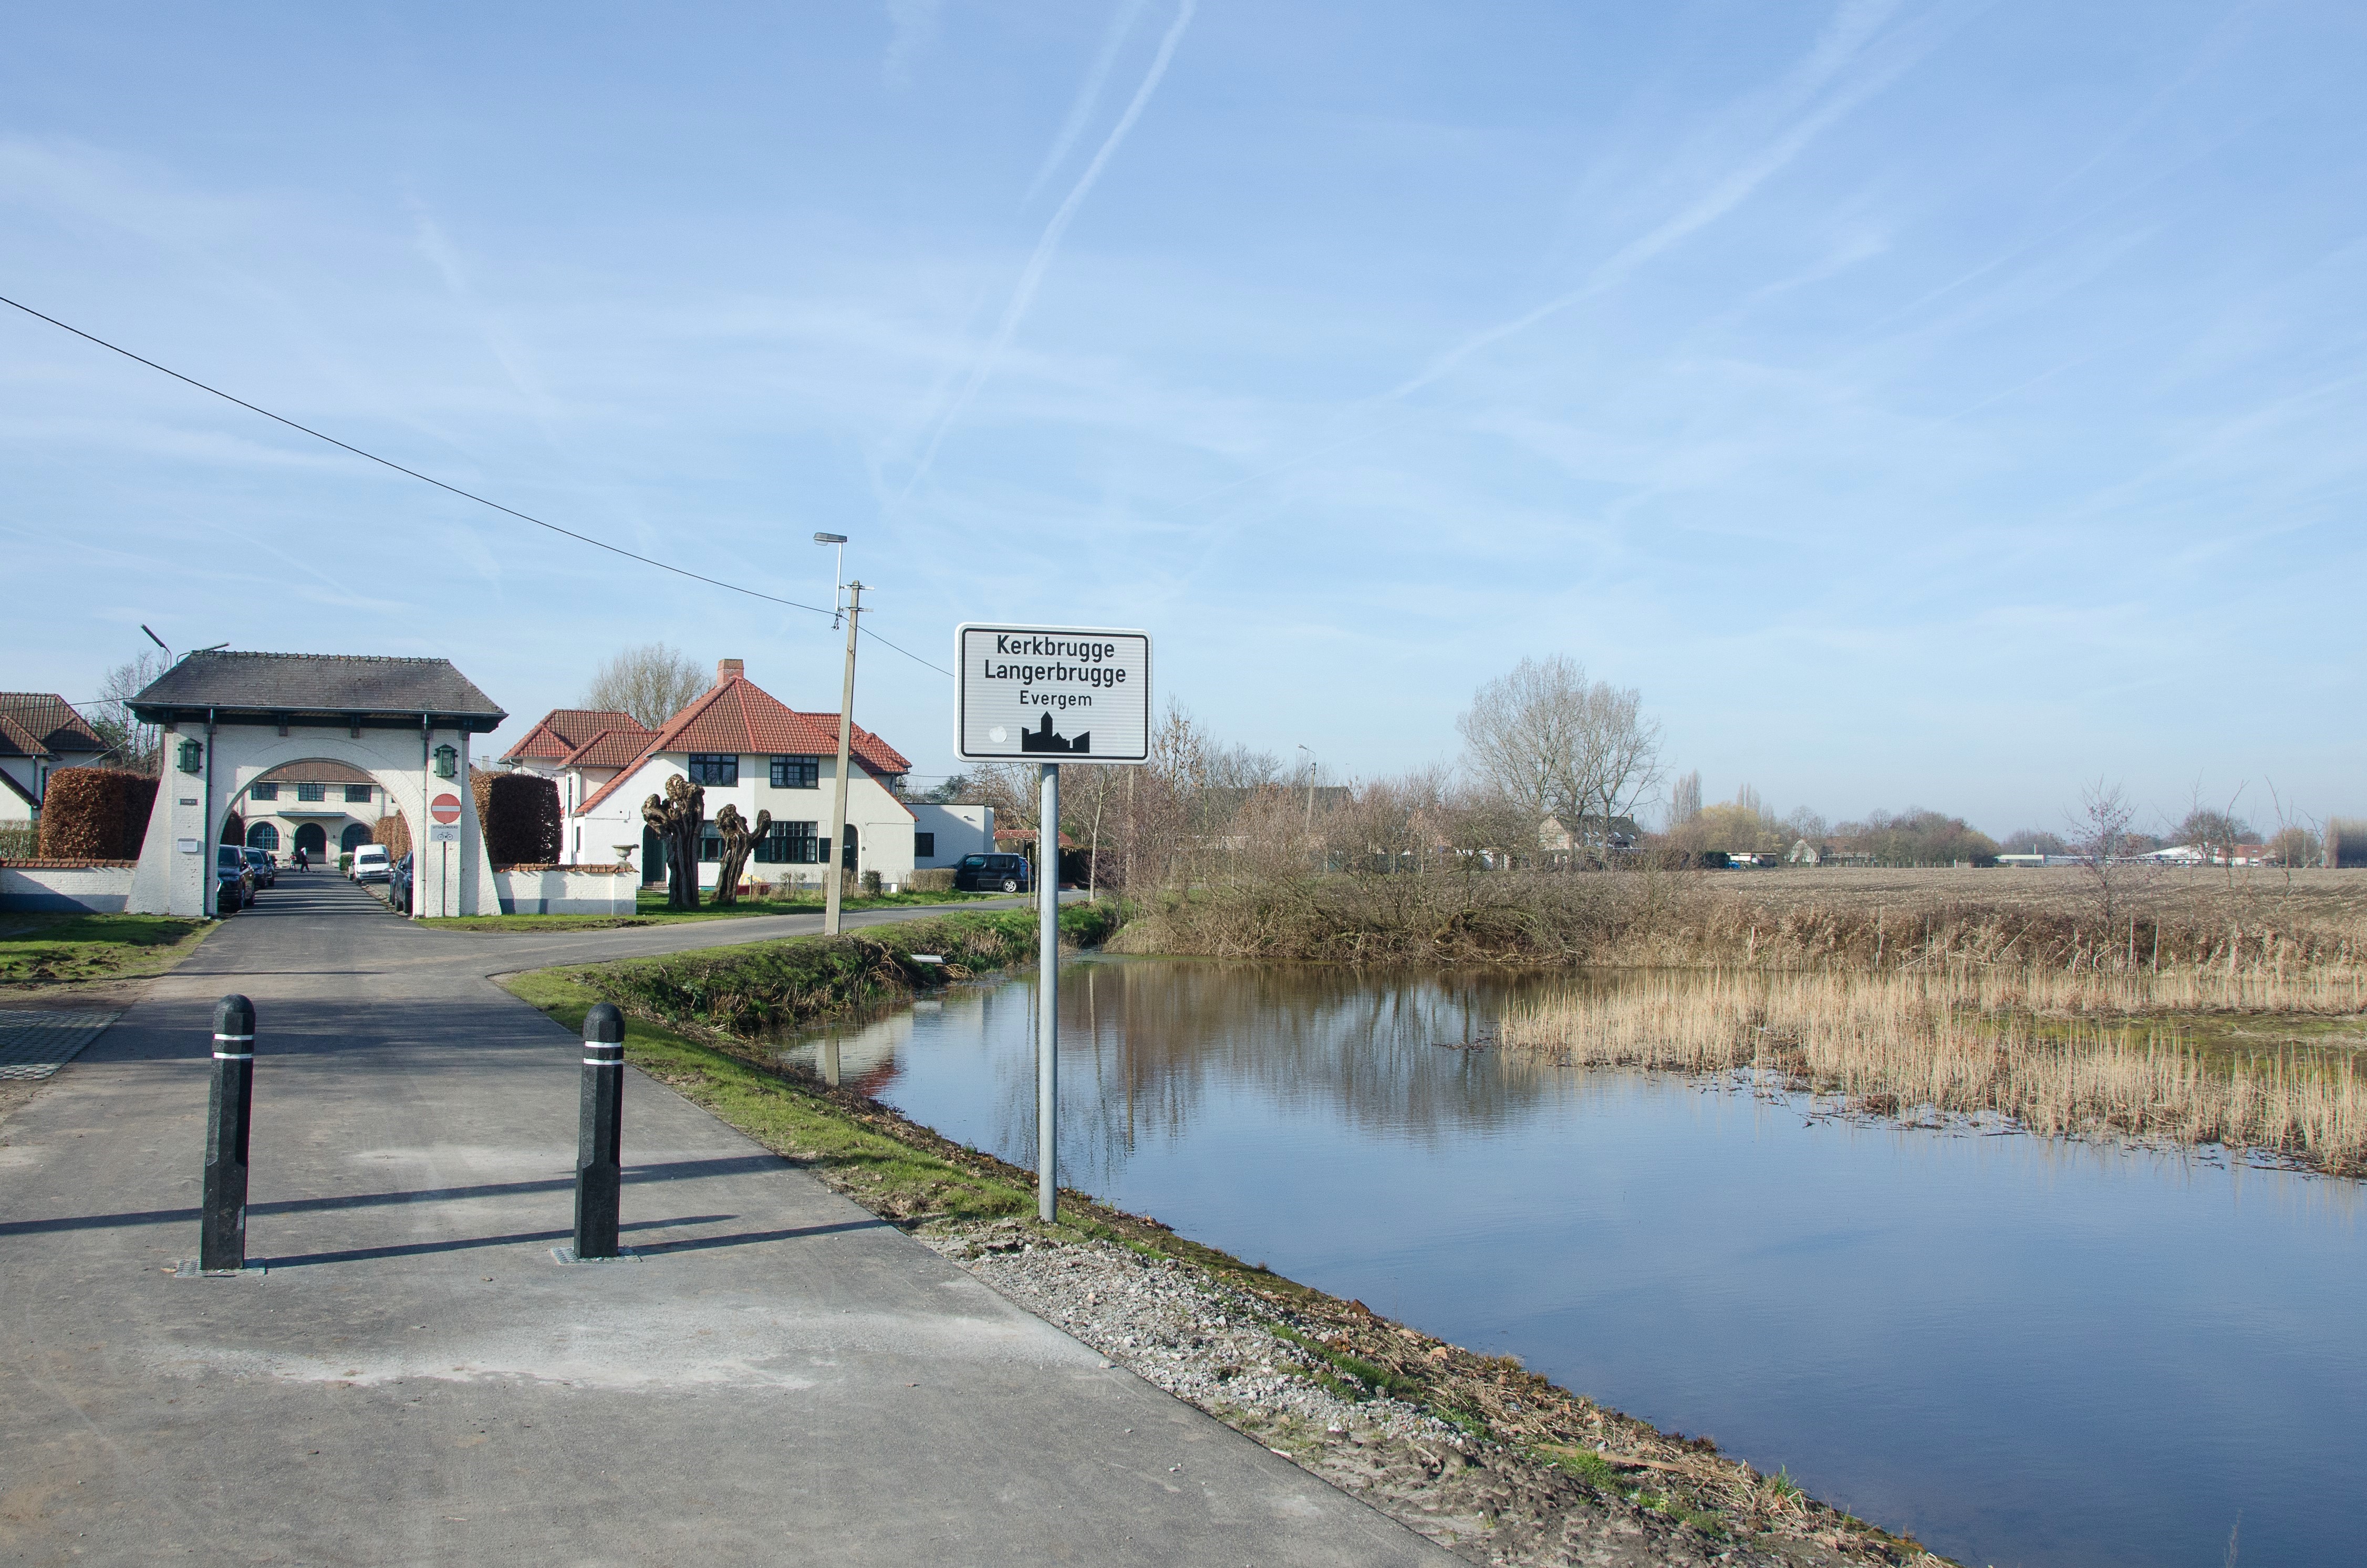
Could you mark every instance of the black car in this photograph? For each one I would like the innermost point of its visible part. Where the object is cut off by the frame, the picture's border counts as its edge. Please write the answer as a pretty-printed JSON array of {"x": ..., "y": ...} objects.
[
  {"x": 265, "y": 869},
  {"x": 992, "y": 873},
  {"x": 233, "y": 880},
  {"x": 398, "y": 886}
]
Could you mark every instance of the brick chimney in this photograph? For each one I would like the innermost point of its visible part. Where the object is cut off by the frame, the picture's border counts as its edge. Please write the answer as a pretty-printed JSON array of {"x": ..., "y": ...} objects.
[{"x": 727, "y": 668}]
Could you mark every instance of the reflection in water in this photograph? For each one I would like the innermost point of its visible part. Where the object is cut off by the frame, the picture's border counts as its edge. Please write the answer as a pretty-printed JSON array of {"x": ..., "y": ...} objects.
[{"x": 2025, "y": 1351}]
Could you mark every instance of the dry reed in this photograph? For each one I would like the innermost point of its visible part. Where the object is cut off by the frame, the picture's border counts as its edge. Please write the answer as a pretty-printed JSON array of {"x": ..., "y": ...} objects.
[{"x": 1965, "y": 1040}]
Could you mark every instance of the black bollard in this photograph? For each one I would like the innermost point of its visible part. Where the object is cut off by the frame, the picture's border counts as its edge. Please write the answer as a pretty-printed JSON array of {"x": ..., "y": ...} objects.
[
  {"x": 599, "y": 1166},
  {"x": 229, "y": 1111}
]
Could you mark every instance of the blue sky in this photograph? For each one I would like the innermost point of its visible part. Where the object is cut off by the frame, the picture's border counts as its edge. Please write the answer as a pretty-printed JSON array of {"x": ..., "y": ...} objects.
[{"x": 1932, "y": 402}]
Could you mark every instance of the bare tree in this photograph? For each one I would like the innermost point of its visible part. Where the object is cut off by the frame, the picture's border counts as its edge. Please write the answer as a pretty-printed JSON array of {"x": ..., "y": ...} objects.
[
  {"x": 676, "y": 817},
  {"x": 2215, "y": 830},
  {"x": 652, "y": 682},
  {"x": 1553, "y": 743},
  {"x": 2099, "y": 836},
  {"x": 2297, "y": 840},
  {"x": 130, "y": 744},
  {"x": 1684, "y": 799},
  {"x": 739, "y": 837}
]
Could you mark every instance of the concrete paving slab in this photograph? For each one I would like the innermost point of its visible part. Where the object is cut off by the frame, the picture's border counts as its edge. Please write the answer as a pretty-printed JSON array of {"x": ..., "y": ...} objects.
[{"x": 779, "y": 1377}]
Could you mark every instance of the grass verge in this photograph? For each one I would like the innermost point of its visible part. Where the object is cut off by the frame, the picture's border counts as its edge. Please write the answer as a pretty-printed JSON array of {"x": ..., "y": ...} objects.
[
  {"x": 49, "y": 949},
  {"x": 650, "y": 909}
]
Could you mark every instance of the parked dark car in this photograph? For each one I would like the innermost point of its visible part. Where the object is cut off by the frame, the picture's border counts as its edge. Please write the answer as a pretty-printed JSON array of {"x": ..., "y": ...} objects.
[
  {"x": 265, "y": 869},
  {"x": 398, "y": 886},
  {"x": 992, "y": 873},
  {"x": 233, "y": 880}
]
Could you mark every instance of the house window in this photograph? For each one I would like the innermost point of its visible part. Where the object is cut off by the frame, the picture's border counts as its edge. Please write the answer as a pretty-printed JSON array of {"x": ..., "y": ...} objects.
[
  {"x": 711, "y": 843},
  {"x": 263, "y": 792},
  {"x": 925, "y": 846},
  {"x": 312, "y": 791},
  {"x": 796, "y": 773},
  {"x": 263, "y": 836},
  {"x": 713, "y": 768},
  {"x": 789, "y": 844},
  {"x": 357, "y": 794}
]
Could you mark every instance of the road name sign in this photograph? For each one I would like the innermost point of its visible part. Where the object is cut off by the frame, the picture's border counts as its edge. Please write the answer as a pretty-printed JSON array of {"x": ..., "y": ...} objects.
[
  {"x": 1051, "y": 694},
  {"x": 445, "y": 809}
]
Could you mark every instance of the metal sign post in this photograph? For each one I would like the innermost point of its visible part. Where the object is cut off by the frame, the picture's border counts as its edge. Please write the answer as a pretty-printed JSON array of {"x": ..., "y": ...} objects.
[
  {"x": 1050, "y": 695},
  {"x": 444, "y": 830},
  {"x": 1047, "y": 999}
]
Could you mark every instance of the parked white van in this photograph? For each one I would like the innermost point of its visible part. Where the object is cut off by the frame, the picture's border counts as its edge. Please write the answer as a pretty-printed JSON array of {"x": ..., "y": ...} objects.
[{"x": 370, "y": 863}]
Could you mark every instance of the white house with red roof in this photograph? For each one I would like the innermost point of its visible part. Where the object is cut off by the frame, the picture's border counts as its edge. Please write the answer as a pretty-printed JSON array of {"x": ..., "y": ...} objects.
[
  {"x": 39, "y": 735},
  {"x": 747, "y": 748},
  {"x": 580, "y": 749}
]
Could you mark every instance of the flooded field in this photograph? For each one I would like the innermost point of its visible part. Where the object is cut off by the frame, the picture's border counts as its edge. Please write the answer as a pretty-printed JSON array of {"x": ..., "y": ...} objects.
[{"x": 2026, "y": 1351}]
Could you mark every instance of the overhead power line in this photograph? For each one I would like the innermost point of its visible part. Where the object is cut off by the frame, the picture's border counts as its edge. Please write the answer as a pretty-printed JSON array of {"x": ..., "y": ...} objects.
[{"x": 452, "y": 489}]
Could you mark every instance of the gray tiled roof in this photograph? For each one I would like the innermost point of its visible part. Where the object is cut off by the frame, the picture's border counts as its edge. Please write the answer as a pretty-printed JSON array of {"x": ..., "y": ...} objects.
[{"x": 316, "y": 683}]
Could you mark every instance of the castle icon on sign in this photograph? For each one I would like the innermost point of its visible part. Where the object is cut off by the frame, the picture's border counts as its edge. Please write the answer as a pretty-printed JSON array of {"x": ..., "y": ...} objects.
[{"x": 1043, "y": 737}]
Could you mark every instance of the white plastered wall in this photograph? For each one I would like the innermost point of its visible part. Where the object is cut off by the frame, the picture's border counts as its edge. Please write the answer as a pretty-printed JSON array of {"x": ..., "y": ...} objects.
[{"x": 176, "y": 873}]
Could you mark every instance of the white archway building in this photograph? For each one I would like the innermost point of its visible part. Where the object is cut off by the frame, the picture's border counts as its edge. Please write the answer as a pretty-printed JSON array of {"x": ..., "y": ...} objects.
[{"x": 229, "y": 719}]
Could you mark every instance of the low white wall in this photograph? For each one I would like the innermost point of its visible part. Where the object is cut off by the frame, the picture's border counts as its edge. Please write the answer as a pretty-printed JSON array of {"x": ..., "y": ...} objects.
[
  {"x": 90, "y": 887},
  {"x": 566, "y": 889}
]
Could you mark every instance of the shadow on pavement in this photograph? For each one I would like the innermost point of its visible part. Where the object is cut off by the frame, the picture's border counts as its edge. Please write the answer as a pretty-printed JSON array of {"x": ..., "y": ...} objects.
[{"x": 635, "y": 1176}]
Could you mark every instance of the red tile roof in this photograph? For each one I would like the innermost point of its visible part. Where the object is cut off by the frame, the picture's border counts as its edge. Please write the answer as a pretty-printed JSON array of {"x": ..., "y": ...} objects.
[
  {"x": 609, "y": 748},
  {"x": 737, "y": 717},
  {"x": 17, "y": 740},
  {"x": 51, "y": 720},
  {"x": 563, "y": 730}
]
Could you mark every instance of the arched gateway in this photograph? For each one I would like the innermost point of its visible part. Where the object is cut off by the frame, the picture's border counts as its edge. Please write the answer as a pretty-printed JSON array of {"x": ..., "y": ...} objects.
[{"x": 231, "y": 719}]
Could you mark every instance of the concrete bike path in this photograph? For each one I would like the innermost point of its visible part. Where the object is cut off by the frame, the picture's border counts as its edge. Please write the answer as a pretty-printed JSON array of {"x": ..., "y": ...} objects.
[{"x": 781, "y": 1378}]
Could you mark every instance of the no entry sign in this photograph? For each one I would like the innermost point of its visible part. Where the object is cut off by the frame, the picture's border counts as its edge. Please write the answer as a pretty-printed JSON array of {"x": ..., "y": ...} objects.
[
  {"x": 445, "y": 809},
  {"x": 1051, "y": 694}
]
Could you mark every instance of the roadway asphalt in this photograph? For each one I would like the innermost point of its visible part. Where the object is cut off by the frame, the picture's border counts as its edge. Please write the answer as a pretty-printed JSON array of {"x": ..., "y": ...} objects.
[{"x": 416, "y": 1379}]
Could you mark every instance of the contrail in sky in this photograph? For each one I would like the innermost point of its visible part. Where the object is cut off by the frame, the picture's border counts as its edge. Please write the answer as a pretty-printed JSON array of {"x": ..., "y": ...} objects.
[
  {"x": 1033, "y": 276},
  {"x": 1855, "y": 27},
  {"x": 1087, "y": 96}
]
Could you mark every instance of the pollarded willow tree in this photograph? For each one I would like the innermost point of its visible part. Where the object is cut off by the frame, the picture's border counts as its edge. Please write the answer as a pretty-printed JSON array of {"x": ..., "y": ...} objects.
[
  {"x": 676, "y": 817},
  {"x": 739, "y": 837},
  {"x": 1557, "y": 745}
]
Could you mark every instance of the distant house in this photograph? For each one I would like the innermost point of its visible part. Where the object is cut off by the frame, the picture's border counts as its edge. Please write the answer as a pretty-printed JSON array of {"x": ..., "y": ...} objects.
[
  {"x": 313, "y": 806},
  {"x": 747, "y": 748},
  {"x": 942, "y": 834},
  {"x": 580, "y": 749},
  {"x": 39, "y": 734},
  {"x": 1806, "y": 854},
  {"x": 1554, "y": 833}
]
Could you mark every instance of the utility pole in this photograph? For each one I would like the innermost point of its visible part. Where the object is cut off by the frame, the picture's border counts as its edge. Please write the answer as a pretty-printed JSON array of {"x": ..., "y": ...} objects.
[{"x": 836, "y": 873}]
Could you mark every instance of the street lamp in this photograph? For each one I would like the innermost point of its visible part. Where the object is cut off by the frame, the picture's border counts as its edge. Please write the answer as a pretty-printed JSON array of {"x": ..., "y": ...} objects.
[{"x": 837, "y": 573}]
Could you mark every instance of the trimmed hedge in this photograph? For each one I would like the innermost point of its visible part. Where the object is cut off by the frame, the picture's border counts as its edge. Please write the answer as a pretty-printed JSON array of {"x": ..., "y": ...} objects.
[
  {"x": 95, "y": 813},
  {"x": 395, "y": 833},
  {"x": 518, "y": 813}
]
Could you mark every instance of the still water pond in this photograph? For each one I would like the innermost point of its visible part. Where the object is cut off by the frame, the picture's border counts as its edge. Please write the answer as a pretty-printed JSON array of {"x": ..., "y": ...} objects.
[{"x": 2024, "y": 1351}]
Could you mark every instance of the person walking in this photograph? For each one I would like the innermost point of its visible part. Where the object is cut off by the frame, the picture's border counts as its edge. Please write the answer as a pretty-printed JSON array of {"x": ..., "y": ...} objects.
[{"x": 300, "y": 856}]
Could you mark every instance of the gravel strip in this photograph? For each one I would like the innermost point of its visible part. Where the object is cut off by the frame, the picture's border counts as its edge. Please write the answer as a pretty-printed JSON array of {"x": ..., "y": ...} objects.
[{"x": 1275, "y": 1376}]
